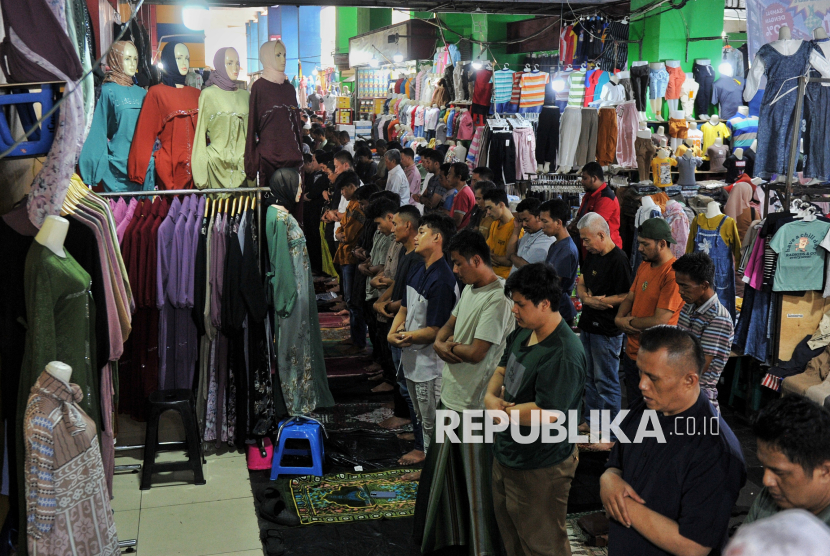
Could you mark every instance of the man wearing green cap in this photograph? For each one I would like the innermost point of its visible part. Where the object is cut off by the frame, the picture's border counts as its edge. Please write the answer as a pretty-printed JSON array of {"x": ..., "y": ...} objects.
[{"x": 654, "y": 297}]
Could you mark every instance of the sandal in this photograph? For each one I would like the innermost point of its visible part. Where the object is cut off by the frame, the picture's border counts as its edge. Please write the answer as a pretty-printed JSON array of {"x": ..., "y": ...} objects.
[
  {"x": 275, "y": 511},
  {"x": 269, "y": 493},
  {"x": 272, "y": 542}
]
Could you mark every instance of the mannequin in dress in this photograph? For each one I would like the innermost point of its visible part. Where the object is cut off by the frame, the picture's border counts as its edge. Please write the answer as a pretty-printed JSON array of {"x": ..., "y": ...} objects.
[
  {"x": 274, "y": 138},
  {"x": 170, "y": 115},
  {"x": 223, "y": 106},
  {"x": 107, "y": 146},
  {"x": 302, "y": 371}
]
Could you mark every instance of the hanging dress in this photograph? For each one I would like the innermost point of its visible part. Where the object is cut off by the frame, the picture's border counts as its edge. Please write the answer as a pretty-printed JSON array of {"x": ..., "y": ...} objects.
[
  {"x": 817, "y": 119},
  {"x": 711, "y": 243},
  {"x": 290, "y": 287},
  {"x": 778, "y": 106}
]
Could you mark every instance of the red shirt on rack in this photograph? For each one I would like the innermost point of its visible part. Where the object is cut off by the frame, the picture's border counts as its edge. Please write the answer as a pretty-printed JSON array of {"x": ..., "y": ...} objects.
[{"x": 604, "y": 202}]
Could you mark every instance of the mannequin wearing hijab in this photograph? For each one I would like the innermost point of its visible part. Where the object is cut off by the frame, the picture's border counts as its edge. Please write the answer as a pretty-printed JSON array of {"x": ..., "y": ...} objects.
[
  {"x": 107, "y": 147},
  {"x": 274, "y": 124},
  {"x": 223, "y": 109},
  {"x": 290, "y": 289},
  {"x": 170, "y": 115}
]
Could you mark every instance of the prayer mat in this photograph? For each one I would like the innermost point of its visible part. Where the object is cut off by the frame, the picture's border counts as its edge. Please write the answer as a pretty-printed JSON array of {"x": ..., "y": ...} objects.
[
  {"x": 333, "y": 320},
  {"x": 357, "y": 416},
  {"x": 346, "y": 366},
  {"x": 347, "y": 497},
  {"x": 577, "y": 537},
  {"x": 334, "y": 334}
]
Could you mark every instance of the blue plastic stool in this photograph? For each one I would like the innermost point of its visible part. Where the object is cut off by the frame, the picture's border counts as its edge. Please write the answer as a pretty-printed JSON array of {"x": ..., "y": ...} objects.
[
  {"x": 40, "y": 141},
  {"x": 303, "y": 428}
]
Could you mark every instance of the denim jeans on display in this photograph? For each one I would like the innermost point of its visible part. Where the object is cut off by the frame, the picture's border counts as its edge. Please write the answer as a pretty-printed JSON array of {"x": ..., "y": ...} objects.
[
  {"x": 416, "y": 426},
  {"x": 602, "y": 387}
]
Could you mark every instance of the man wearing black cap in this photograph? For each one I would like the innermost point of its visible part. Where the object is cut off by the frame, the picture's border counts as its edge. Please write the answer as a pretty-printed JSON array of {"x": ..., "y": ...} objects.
[{"x": 654, "y": 297}]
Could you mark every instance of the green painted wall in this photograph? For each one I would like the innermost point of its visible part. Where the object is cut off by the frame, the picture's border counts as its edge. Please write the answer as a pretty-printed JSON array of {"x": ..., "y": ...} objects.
[
  {"x": 369, "y": 19},
  {"x": 346, "y": 28}
]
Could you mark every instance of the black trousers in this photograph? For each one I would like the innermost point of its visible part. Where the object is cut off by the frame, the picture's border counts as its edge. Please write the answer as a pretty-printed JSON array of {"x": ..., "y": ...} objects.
[
  {"x": 390, "y": 374},
  {"x": 639, "y": 86},
  {"x": 503, "y": 157},
  {"x": 705, "y": 77},
  {"x": 547, "y": 135}
]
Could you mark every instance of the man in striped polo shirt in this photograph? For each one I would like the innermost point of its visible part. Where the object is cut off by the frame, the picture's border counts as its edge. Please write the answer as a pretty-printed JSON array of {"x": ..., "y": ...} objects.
[{"x": 705, "y": 317}]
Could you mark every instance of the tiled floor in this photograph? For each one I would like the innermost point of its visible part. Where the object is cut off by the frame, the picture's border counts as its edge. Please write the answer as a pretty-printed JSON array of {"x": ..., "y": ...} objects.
[{"x": 177, "y": 518}]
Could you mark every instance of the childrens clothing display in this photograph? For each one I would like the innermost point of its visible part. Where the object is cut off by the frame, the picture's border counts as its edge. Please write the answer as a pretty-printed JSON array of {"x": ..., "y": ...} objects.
[
  {"x": 712, "y": 132},
  {"x": 717, "y": 155},
  {"x": 661, "y": 171},
  {"x": 645, "y": 150},
  {"x": 686, "y": 168},
  {"x": 744, "y": 131},
  {"x": 802, "y": 249}
]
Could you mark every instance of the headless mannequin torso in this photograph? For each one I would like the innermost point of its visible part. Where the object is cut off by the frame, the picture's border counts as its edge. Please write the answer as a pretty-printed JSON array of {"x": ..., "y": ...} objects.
[
  {"x": 60, "y": 371},
  {"x": 52, "y": 234}
]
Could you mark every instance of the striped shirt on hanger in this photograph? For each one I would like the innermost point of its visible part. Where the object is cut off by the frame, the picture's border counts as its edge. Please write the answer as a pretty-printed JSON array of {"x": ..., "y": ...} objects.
[
  {"x": 533, "y": 88},
  {"x": 577, "y": 90},
  {"x": 502, "y": 85}
]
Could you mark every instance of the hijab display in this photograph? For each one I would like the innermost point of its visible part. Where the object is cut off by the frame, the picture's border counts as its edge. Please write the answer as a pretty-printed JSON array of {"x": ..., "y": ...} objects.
[
  {"x": 221, "y": 132},
  {"x": 274, "y": 123},
  {"x": 107, "y": 147},
  {"x": 170, "y": 115}
]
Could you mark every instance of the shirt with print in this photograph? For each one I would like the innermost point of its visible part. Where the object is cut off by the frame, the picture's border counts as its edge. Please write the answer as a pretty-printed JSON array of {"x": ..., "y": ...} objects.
[
  {"x": 692, "y": 479},
  {"x": 533, "y": 248},
  {"x": 481, "y": 314},
  {"x": 654, "y": 287},
  {"x": 430, "y": 297},
  {"x": 563, "y": 256},
  {"x": 462, "y": 204},
  {"x": 550, "y": 374},
  {"x": 728, "y": 232},
  {"x": 497, "y": 239},
  {"x": 802, "y": 248},
  {"x": 711, "y": 323},
  {"x": 604, "y": 275},
  {"x": 661, "y": 171},
  {"x": 351, "y": 226}
]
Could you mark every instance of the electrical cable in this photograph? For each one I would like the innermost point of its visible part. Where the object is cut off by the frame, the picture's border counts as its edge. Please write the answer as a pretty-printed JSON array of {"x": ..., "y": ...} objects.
[{"x": 76, "y": 86}]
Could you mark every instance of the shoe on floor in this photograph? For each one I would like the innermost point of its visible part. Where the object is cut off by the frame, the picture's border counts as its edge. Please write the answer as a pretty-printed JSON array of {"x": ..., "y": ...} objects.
[
  {"x": 272, "y": 542},
  {"x": 275, "y": 511},
  {"x": 269, "y": 493}
]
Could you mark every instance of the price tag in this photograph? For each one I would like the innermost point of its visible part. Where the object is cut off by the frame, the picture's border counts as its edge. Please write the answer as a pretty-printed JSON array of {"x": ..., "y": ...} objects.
[
  {"x": 529, "y": 138},
  {"x": 507, "y": 143},
  {"x": 740, "y": 163}
]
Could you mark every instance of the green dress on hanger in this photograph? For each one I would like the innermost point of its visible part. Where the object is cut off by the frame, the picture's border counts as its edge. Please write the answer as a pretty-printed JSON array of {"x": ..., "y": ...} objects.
[
  {"x": 290, "y": 289},
  {"x": 60, "y": 314}
]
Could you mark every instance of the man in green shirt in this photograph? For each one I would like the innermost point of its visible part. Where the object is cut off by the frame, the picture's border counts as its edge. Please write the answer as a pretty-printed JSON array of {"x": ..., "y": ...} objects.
[
  {"x": 793, "y": 436},
  {"x": 542, "y": 369}
]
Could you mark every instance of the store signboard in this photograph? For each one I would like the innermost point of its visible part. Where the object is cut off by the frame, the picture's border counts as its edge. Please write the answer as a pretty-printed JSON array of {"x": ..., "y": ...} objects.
[{"x": 765, "y": 17}]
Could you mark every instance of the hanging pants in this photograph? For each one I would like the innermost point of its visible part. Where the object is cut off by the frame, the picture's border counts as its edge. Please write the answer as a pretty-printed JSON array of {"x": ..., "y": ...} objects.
[
  {"x": 627, "y": 122},
  {"x": 569, "y": 132},
  {"x": 705, "y": 77},
  {"x": 525, "y": 142},
  {"x": 503, "y": 157},
  {"x": 586, "y": 150},
  {"x": 639, "y": 86},
  {"x": 606, "y": 135},
  {"x": 547, "y": 135}
]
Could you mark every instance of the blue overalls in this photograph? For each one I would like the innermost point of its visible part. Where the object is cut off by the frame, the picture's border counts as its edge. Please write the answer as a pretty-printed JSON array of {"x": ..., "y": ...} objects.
[{"x": 711, "y": 243}]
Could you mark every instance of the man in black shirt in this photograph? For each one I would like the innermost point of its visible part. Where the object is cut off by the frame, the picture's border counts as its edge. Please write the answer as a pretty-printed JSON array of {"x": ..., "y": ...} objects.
[
  {"x": 674, "y": 475},
  {"x": 606, "y": 279}
]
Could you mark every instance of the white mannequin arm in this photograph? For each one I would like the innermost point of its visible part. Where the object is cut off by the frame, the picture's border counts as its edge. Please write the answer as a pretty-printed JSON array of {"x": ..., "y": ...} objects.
[
  {"x": 820, "y": 63},
  {"x": 753, "y": 78}
]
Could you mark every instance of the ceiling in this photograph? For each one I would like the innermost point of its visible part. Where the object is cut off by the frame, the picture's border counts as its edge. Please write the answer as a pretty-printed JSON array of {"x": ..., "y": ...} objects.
[{"x": 526, "y": 7}]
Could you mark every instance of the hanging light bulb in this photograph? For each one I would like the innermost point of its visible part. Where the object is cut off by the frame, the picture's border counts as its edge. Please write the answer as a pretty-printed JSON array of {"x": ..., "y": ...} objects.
[
  {"x": 725, "y": 69},
  {"x": 314, "y": 71},
  {"x": 558, "y": 85},
  {"x": 477, "y": 65},
  {"x": 373, "y": 61},
  {"x": 398, "y": 57}
]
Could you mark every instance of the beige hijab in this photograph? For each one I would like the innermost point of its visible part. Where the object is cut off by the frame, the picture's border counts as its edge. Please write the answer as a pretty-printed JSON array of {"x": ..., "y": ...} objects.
[
  {"x": 115, "y": 61},
  {"x": 739, "y": 199},
  {"x": 269, "y": 63}
]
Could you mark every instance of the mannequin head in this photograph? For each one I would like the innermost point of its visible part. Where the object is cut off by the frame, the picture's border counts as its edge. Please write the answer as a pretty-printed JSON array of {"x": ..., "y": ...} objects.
[
  {"x": 279, "y": 55},
  {"x": 232, "y": 66},
  {"x": 129, "y": 59},
  {"x": 182, "y": 58}
]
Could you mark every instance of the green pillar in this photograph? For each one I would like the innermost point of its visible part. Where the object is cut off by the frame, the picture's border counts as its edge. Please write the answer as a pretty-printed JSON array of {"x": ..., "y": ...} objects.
[{"x": 346, "y": 28}]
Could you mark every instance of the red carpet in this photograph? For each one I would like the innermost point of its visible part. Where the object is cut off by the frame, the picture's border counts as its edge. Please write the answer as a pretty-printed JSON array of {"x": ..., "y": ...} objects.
[{"x": 331, "y": 320}]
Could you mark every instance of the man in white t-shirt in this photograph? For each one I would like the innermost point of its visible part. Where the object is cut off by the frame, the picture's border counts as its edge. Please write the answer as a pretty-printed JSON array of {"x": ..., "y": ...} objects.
[
  {"x": 479, "y": 326},
  {"x": 396, "y": 180}
]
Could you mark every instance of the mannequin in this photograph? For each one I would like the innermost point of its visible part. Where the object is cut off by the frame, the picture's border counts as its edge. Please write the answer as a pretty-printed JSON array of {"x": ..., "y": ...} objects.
[
  {"x": 659, "y": 80},
  {"x": 60, "y": 371},
  {"x": 818, "y": 33},
  {"x": 299, "y": 346},
  {"x": 659, "y": 137},
  {"x": 739, "y": 153},
  {"x": 273, "y": 142},
  {"x": 223, "y": 106},
  {"x": 712, "y": 130},
  {"x": 674, "y": 71},
  {"x": 661, "y": 168},
  {"x": 688, "y": 93},
  {"x": 678, "y": 127},
  {"x": 52, "y": 234},
  {"x": 744, "y": 111},
  {"x": 639, "y": 83},
  {"x": 717, "y": 154},
  {"x": 687, "y": 165},
  {"x": 172, "y": 108},
  {"x": 713, "y": 209},
  {"x": 647, "y": 201},
  {"x": 107, "y": 146}
]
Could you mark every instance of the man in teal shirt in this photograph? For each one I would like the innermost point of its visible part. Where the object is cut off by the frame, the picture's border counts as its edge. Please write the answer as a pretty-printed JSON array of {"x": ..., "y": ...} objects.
[
  {"x": 542, "y": 370},
  {"x": 793, "y": 436}
]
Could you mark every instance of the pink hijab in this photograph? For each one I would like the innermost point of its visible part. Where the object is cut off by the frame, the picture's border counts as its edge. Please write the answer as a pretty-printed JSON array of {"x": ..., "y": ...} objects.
[
  {"x": 269, "y": 62},
  {"x": 738, "y": 200}
]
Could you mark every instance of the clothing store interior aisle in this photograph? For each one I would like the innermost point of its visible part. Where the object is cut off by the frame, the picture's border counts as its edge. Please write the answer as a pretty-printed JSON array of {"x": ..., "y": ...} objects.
[{"x": 176, "y": 517}]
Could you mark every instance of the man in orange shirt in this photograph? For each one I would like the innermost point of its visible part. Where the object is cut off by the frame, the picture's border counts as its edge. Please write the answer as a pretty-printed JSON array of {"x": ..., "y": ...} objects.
[{"x": 654, "y": 298}]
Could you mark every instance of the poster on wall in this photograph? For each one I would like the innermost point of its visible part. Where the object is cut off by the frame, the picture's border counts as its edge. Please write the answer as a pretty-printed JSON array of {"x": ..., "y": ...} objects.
[{"x": 765, "y": 17}]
